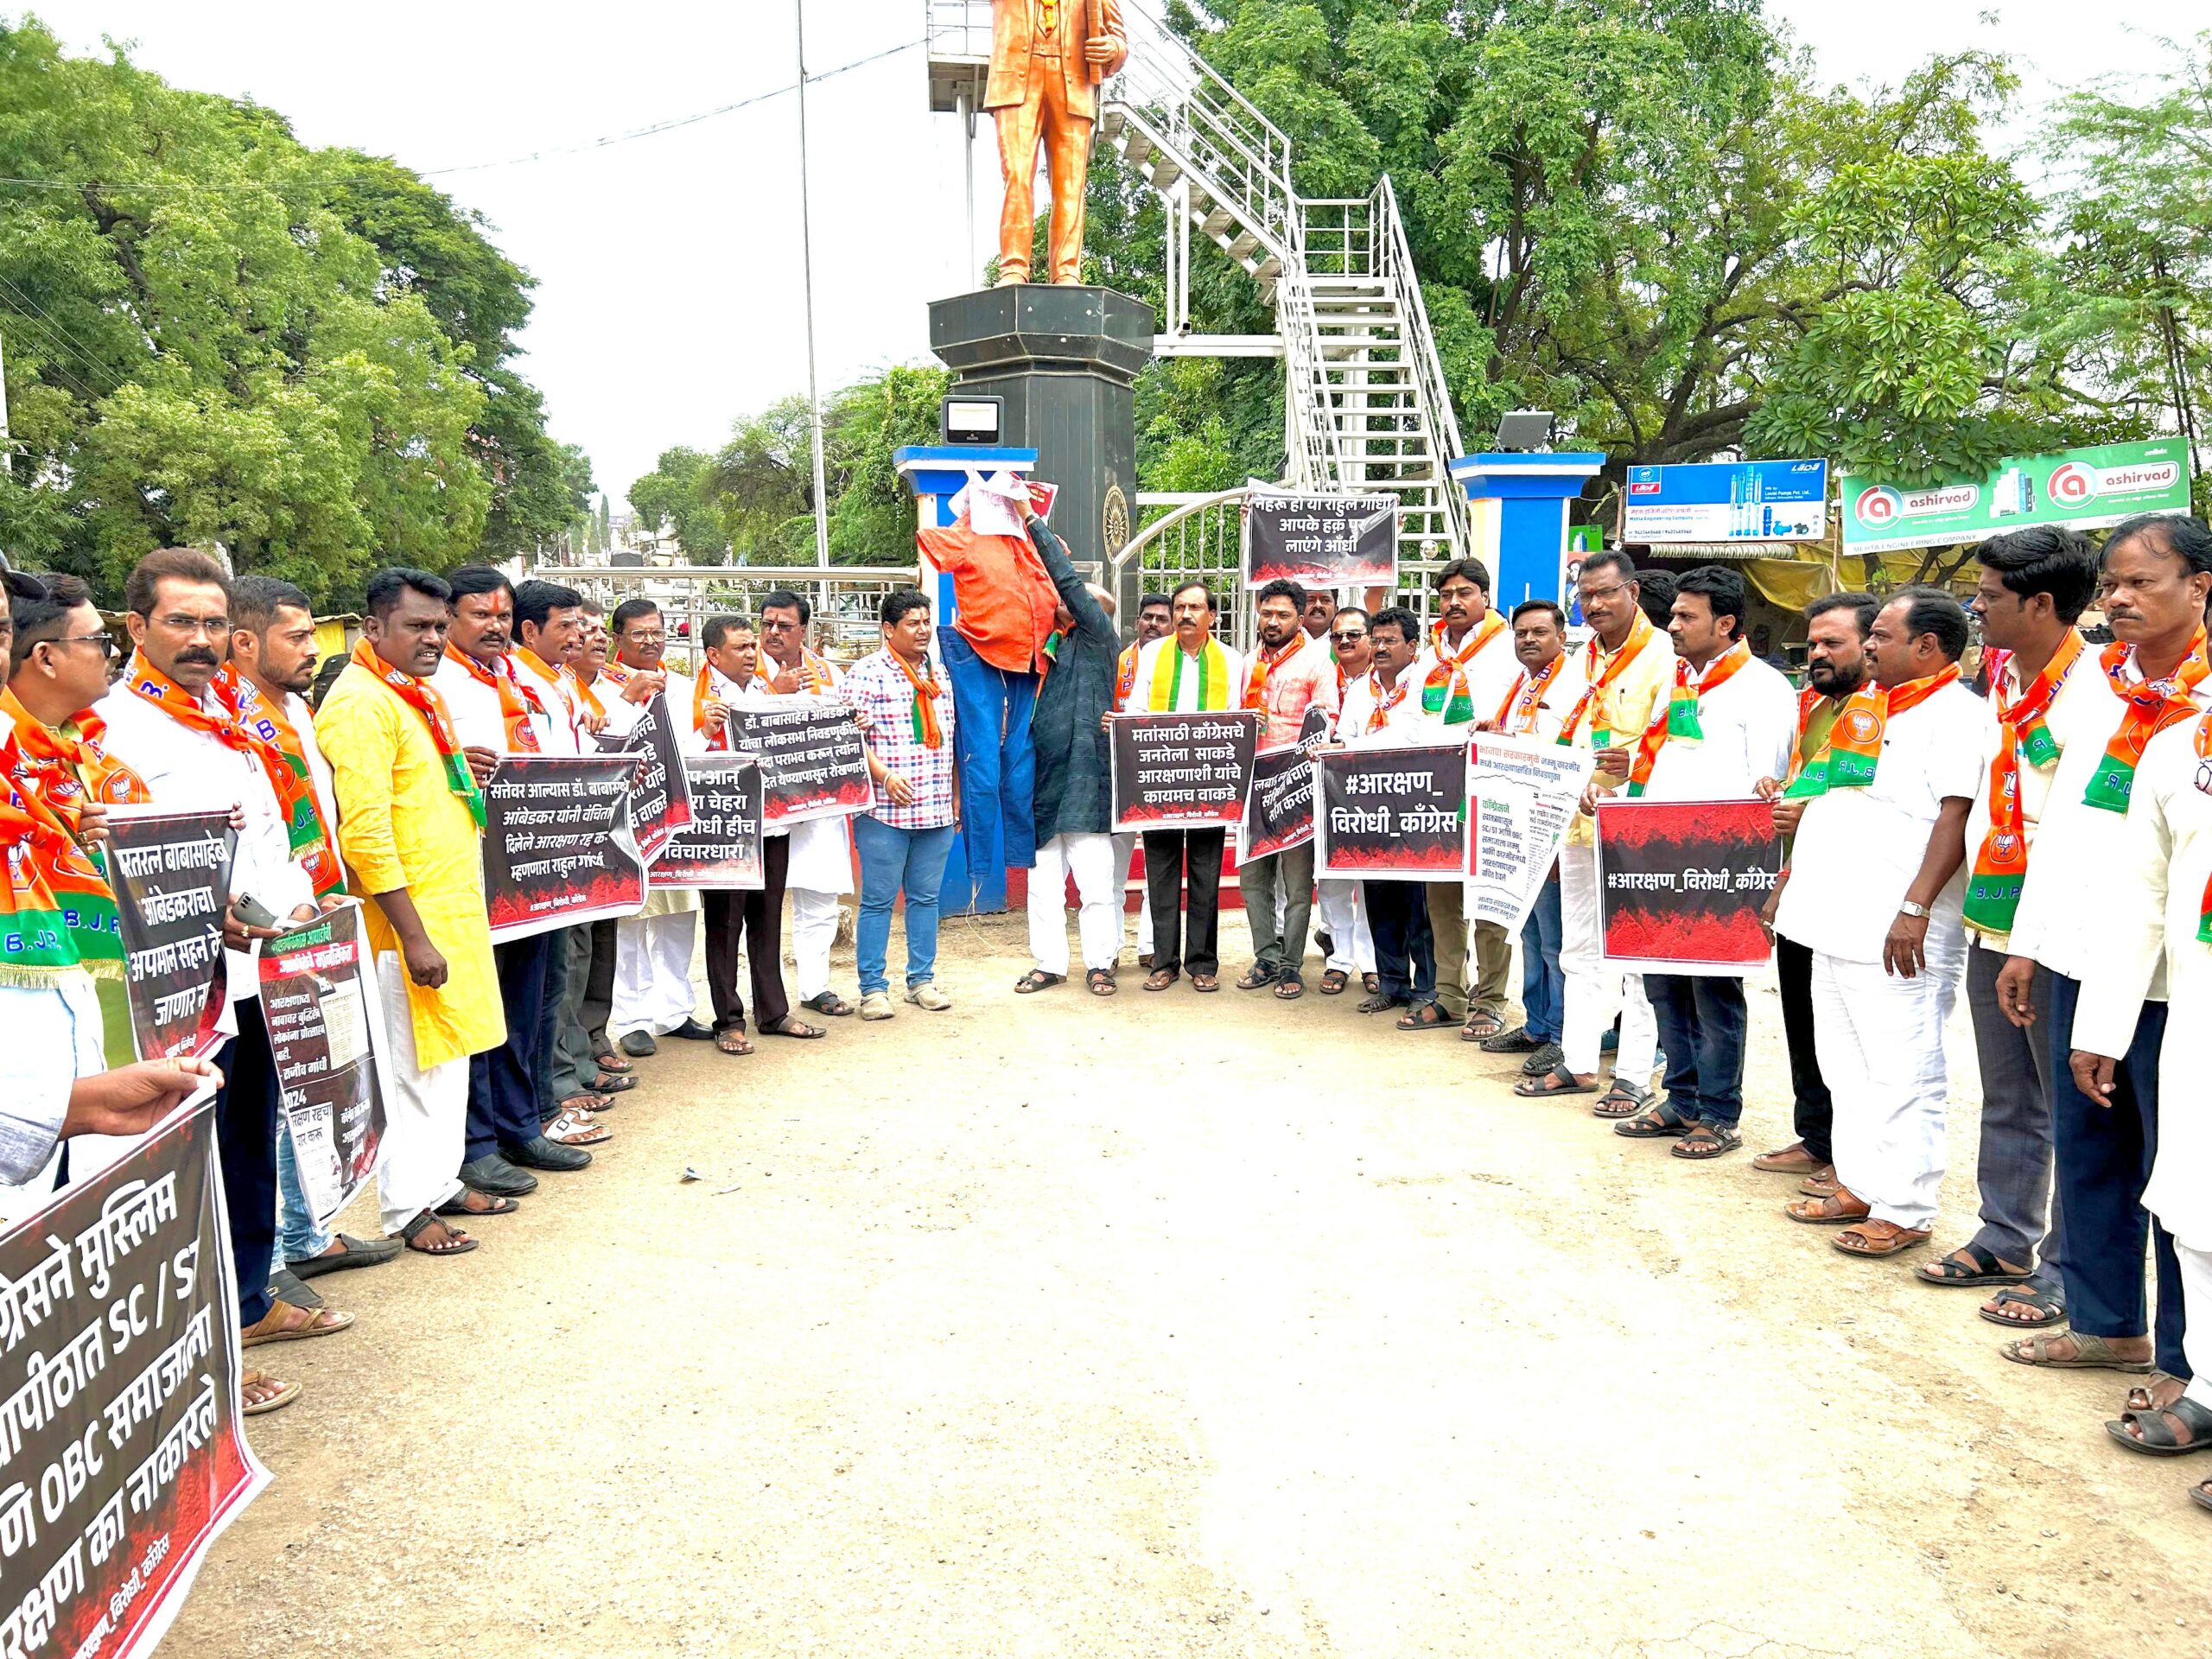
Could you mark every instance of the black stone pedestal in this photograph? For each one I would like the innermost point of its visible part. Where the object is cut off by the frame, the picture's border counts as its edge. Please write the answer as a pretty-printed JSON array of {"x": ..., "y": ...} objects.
[{"x": 1064, "y": 359}]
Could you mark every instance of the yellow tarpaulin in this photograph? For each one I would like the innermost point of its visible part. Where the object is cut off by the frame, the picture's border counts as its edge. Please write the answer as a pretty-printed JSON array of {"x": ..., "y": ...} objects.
[{"x": 1795, "y": 584}]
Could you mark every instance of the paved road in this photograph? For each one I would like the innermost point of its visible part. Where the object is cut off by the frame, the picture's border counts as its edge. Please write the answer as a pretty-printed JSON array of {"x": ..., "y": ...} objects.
[{"x": 1176, "y": 1325}]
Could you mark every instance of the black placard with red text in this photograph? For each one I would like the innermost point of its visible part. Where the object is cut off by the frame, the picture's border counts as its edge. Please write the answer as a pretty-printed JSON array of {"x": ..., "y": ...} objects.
[
  {"x": 557, "y": 845},
  {"x": 170, "y": 873},
  {"x": 1680, "y": 884}
]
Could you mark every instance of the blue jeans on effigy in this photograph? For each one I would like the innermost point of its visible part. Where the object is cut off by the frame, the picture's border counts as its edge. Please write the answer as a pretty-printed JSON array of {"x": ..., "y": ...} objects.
[
  {"x": 998, "y": 764},
  {"x": 893, "y": 860},
  {"x": 1544, "y": 986}
]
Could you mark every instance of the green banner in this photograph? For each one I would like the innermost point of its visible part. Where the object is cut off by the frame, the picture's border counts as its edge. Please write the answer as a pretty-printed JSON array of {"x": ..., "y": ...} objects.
[{"x": 2086, "y": 489}]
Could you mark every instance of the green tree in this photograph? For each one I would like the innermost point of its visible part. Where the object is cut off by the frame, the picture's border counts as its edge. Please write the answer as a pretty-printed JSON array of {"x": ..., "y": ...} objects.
[
  {"x": 669, "y": 499},
  {"x": 208, "y": 342}
]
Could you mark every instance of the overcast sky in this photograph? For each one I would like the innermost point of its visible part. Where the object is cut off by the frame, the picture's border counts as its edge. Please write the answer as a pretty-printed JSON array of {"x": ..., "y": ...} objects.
[{"x": 669, "y": 296}]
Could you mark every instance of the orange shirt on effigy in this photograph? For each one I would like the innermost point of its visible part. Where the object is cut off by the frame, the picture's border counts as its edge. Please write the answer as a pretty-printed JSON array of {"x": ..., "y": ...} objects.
[{"x": 1004, "y": 601}]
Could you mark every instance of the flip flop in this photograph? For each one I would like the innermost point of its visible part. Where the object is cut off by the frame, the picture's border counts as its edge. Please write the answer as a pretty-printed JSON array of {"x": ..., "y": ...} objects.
[
  {"x": 613, "y": 1062},
  {"x": 1557, "y": 1081},
  {"x": 286, "y": 1392},
  {"x": 791, "y": 1026},
  {"x": 320, "y": 1322},
  {"x": 457, "y": 1207},
  {"x": 613, "y": 1083},
  {"x": 733, "y": 1041},
  {"x": 459, "y": 1244}
]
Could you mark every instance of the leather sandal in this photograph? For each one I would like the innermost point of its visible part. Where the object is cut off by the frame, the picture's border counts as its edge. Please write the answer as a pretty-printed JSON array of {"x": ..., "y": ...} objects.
[
  {"x": 1205, "y": 982},
  {"x": 2155, "y": 1435},
  {"x": 1334, "y": 981},
  {"x": 1878, "y": 1239},
  {"x": 1830, "y": 1211},
  {"x": 2090, "y": 1354},
  {"x": 1160, "y": 978},
  {"x": 1257, "y": 978},
  {"x": 1968, "y": 1265},
  {"x": 1101, "y": 981}
]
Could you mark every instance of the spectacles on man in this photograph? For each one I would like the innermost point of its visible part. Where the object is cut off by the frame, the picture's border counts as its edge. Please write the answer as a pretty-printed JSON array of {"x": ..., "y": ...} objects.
[
  {"x": 211, "y": 625},
  {"x": 1589, "y": 593},
  {"x": 1346, "y": 638}
]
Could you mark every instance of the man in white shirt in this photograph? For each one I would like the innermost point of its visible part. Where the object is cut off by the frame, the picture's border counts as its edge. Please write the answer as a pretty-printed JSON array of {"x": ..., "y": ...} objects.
[
  {"x": 1873, "y": 889},
  {"x": 2156, "y": 580},
  {"x": 272, "y": 663},
  {"x": 653, "y": 993},
  {"x": 821, "y": 870},
  {"x": 1463, "y": 675},
  {"x": 166, "y": 725},
  {"x": 2155, "y": 923},
  {"x": 1535, "y": 705},
  {"x": 2033, "y": 585},
  {"x": 1189, "y": 671},
  {"x": 1729, "y": 724},
  {"x": 495, "y": 715},
  {"x": 1347, "y": 941},
  {"x": 1382, "y": 710}
]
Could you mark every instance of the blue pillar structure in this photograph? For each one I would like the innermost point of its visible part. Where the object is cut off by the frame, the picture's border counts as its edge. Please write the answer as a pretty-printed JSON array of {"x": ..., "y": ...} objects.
[
  {"x": 937, "y": 473},
  {"x": 1520, "y": 501}
]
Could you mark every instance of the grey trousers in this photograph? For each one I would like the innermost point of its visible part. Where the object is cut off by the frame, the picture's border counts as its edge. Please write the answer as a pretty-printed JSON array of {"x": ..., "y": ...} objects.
[
  {"x": 1291, "y": 875},
  {"x": 583, "y": 1001},
  {"x": 2020, "y": 1221}
]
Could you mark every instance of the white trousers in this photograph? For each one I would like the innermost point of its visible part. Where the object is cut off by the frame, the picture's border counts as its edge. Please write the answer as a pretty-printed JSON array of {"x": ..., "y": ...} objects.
[
  {"x": 1595, "y": 992},
  {"x": 1125, "y": 852},
  {"x": 425, "y": 1113},
  {"x": 1880, "y": 1042},
  {"x": 2197, "y": 1306},
  {"x": 653, "y": 974},
  {"x": 813, "y": 930},
  {"x": 1089, "y": 859},
  {"x": 1352, "y": 941}
]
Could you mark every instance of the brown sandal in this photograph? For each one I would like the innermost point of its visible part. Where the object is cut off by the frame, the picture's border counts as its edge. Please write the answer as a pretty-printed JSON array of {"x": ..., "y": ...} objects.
[
  {"x": 1205, "y": 982},
  {"x": 1832, "y": 1211},
  {"x": 1334, "y": 981},
  {"x": 285, "y": 1323},
  {"x": 281, "y": 1395},
  {"x": 1101, "y": 981},
  {"x": 734, "y": 1041},
  {"x": 1878, "y": 1239},
  {"x": 1160, "y": 978}
]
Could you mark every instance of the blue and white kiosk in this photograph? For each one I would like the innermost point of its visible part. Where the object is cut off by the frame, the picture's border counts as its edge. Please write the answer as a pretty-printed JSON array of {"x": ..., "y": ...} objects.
[{"x": 1520, "y": 501}]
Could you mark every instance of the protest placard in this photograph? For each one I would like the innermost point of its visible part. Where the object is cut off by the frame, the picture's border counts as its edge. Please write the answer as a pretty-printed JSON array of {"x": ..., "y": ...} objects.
[
  {"x": 813, "y": 759},
  {"x": 171, "y": 875},
  {"x": 1182, "y": 771},
  {"x": 1524, "y": 793},
  {"x": 1279, "y": 815},
  {"x": 121, "y": 1453},
  {"x": 1393, "y": 814},
  {"x": 316, "y": 986},
  {"x": 1681, "y": 883},
  {"x": 660, "y": 800},
  {"x": 720, "y": 849},
  {"x": 558, "y": 847},
  {"x": 1323, "y": 541}
]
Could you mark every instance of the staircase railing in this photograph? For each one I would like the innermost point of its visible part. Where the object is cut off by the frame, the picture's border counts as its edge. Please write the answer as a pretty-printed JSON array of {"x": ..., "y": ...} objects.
[
  {"x": 1316, "y": 457},
  {"x": 1395, "y": 261}
]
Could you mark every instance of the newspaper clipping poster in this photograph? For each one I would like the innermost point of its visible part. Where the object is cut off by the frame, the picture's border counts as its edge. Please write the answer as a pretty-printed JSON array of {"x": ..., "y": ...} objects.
[
  {"x": 316, "y": 988},
  {"x": 1524, "y": 793},
  {"x": 171, "y": 875}
]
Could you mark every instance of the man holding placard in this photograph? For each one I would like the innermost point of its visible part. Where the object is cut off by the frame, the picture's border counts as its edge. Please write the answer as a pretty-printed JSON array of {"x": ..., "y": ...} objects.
[
  {"x": 1382, "y": 710},
  {"x": 1190, "y": 671},
  {"x": 1287, "y": 677},
  {"x": 1347, "y": 941},
  {"x": 1728, "y": 724}
]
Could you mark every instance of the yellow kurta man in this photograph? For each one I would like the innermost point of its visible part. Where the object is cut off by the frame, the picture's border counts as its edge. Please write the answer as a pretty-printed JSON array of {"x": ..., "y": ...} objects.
[{"x": 1048, "y": 59}]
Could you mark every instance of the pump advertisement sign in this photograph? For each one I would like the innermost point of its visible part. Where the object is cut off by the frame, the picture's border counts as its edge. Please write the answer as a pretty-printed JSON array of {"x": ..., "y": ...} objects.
[
  {"x": 1725, "y": 501},
  {"x": 2082, "y": 489}
]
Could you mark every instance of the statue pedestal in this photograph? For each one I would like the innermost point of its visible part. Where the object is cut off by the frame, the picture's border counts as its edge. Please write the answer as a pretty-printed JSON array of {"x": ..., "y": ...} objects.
[{"x": 1064, "y": 359}]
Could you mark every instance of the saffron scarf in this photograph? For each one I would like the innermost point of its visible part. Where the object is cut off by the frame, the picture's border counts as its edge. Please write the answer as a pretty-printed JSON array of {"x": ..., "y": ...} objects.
[
  {"x": 65, "y": 769},
  {"x": 560, "y": 678},
  {"x": 1445, "y": 690},
  {"x": 1516, "y": 716},
  {"x": 1264, "y": 664},
  {"x": 266, "y": 723},
  {"x": 2001, "y": 865},
  {"x": 580, "y": 688},
  {"x": 1855, "y": 746},
  {"x": 1678, "y": 720},
  {"x": 2204, "y": 904},
  {"x": 1167, "y": 676},
  {"x": 2152, "y": 705},
  {"x": 929, "y": 730},
  {"x": 816, "y": 676},
  {"x": 1379, "y": 716},
  {"x": 423, "y": 697},
  {"x": 56, "y": 913},
  {"x": 1640, "y": 634},
  {"x": 517, "y": 701}
]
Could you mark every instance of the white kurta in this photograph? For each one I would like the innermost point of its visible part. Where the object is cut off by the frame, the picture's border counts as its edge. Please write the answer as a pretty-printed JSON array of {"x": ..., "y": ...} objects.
[
  {"x": 1750, "y": 721},
  {"x": 49, "y": 1037},
  {"x": 1488, "y": 673},
  {"x": 2148, "y": 900}
]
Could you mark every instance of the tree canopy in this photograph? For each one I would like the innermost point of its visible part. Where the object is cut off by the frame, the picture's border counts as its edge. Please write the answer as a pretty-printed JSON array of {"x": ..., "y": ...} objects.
[{"x": 215, "y": 334}]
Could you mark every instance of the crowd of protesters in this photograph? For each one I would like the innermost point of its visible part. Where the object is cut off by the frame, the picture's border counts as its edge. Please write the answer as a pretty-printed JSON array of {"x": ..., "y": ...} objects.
[{"x": 2041, "y": 834}]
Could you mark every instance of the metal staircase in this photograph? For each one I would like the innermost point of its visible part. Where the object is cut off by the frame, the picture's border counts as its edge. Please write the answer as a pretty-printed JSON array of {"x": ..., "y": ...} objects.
[
  {"x": 1365, "y": 401},
  {"x": 1364, "y": 391}
]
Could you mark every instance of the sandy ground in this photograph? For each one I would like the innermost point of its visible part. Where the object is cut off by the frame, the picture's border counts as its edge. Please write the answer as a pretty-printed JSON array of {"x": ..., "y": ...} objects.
[{"x": 1171, "y": 1325}]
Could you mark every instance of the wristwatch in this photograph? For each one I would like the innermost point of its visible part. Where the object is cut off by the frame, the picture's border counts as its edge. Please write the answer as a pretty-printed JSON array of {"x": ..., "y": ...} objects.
[{"x": 1909, "y": 908}]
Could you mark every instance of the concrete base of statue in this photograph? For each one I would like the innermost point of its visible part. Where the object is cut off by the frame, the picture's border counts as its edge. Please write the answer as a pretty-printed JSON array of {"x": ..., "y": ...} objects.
[{"x": 1065, "y": 361}]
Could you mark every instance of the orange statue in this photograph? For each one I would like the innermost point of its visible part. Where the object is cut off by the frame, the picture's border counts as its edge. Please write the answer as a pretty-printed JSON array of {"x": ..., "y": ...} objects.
[{"x": 1047, "y": 60}]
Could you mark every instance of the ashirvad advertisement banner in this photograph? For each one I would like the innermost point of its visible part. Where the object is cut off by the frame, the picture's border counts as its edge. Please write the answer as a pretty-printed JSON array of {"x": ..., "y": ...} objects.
[{"x": 2082, "y": 489}]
